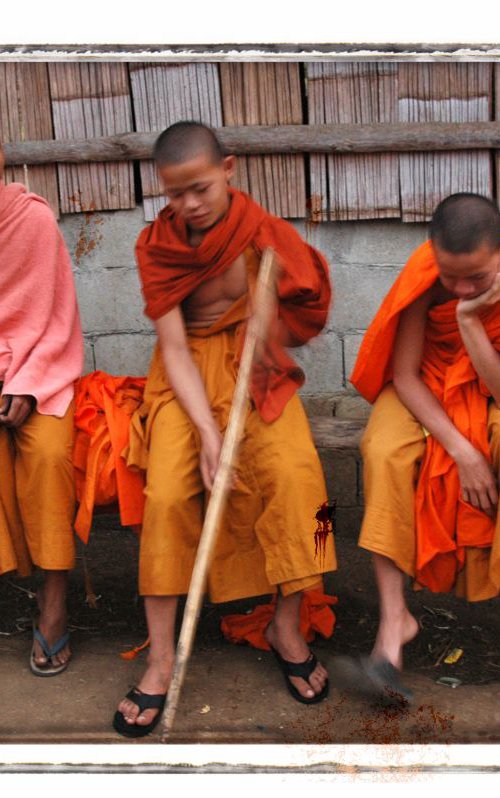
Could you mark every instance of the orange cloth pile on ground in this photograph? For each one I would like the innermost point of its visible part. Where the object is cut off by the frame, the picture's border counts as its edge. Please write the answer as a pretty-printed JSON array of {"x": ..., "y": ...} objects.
[
  {"x": 104, "y": 406},
  {"x": 316, "y": 615},
  {"x": 445, "y": 525}
]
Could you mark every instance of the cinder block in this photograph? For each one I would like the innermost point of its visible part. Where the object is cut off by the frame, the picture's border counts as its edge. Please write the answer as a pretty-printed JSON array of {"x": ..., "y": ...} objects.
[
  {"x": 111, "y": 301},
  {"x": 89, "y": 359},
  {"x": 102, "y": 240},
  {"x": 321, "y": 360},
  {"x": 124, "y": 353},
  {"x": 359, "y": 290},
  {"x": 386, "y": 243},
  {"x": 351, "y": 405},
  {"x": 352, "y": 342}
]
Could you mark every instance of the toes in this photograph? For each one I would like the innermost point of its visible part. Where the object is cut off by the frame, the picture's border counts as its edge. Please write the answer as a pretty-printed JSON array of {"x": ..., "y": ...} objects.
[
  {"x": 129, "y": 710},
  {"x": 146, "y": 717},
  {"x": 303, "y": 687}
]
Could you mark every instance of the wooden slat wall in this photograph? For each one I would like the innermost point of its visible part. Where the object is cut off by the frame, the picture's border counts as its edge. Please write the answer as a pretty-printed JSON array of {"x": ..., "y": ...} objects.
[
  {"x": 20, "y": 86},
  {"x": 443, "y": 92},
  {"x": 267, "y": 94},
  {"x": 164, "y": 94},
  {"x": 361, "y": 186},
  {"x": 92, "y": 100}
]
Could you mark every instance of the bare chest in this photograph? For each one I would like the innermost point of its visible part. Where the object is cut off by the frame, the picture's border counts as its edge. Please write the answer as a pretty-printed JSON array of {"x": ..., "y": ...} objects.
[{"x": 213, "y": 297}]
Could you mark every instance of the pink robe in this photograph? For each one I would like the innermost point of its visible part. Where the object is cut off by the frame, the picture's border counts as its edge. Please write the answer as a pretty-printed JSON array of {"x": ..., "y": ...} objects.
[{"x": 41, "y": 345}]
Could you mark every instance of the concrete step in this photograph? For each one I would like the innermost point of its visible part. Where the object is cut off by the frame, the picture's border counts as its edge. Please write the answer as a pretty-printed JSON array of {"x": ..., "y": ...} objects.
[{"x": 336, "y": 434}]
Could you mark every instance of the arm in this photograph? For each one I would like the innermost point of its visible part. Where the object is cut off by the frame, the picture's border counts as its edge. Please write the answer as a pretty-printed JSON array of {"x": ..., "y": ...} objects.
[
  {"x": 476, "y": 477},
  {"x": 484, "y": 357},
  {"x": 189, "y": 389}
]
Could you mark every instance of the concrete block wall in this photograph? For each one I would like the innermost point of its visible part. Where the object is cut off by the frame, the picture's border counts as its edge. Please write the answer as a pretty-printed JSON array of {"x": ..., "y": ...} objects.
[{"x": 365, "y": 258}]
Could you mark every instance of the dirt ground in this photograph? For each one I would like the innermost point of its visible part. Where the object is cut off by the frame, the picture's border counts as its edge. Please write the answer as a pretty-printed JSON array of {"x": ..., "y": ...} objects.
[{"x": 111, "y": 557}]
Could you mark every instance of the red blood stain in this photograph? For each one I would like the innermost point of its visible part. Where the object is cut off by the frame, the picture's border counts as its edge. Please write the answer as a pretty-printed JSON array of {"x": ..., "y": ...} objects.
[{"x": 325, "y": 518}]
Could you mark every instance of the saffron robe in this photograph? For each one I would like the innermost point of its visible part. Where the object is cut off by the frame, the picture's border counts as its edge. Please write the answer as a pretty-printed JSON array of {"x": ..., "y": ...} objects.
[
  {"x": 446, "y": 527},
  {"x": 267, "y": 537}
]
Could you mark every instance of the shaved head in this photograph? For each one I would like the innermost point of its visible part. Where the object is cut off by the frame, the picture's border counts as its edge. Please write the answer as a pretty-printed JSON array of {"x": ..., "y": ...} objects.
[
  {"x": 464, "y": 222},
  {"x": 184, "y": 141}
]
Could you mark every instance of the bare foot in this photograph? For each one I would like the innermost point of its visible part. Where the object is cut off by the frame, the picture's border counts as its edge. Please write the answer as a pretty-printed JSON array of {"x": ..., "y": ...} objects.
[
  {"x": 155, "y": 681},
  {"x": 392, "y": 636},
  {"x": 291, "y": 646}
]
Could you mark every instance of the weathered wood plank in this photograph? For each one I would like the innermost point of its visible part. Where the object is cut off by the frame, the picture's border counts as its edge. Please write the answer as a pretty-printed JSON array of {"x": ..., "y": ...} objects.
[
  {"x": 258, "y": 140},
  {"x": 19, "y": 84},
  {"x": 266, "y": 94},
  {"x": 357, "y": 186},
  {"x": 166, "y": 93},
  {"x": 92, "y": 99},
  {"x": 453, "y": 92}
]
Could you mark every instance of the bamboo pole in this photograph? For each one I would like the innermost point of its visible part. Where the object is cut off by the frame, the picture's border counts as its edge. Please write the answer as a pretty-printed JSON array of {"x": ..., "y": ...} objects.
[
  {"x": 257, "y": 329},
  {"x": 268, "y": 139}
]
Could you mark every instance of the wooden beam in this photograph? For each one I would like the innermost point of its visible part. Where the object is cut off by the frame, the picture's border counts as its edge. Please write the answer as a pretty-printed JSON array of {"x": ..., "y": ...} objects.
[{"x": 259, "y": 140}]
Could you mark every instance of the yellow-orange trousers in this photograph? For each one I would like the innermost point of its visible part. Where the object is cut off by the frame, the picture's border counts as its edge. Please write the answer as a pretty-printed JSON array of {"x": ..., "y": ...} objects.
[
  {"x": 393, "y": 447},
  {"x": 37, "y": 494},
  {"x": 267, "y": 535}
]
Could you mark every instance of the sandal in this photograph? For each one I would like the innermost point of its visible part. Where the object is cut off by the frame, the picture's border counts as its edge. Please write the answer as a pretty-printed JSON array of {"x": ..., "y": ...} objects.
[
  {"x": 143, "y": 701},
  {"x": 302, "y": 670},
  {"x": 49, "y": 651}
]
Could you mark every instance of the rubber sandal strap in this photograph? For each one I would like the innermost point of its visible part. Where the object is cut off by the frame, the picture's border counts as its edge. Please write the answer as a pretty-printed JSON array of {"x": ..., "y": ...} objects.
[
  {"x": 146, "y": 701},
  {"x": 301, "y": 669},
  {"x": 50, "y": 651}
]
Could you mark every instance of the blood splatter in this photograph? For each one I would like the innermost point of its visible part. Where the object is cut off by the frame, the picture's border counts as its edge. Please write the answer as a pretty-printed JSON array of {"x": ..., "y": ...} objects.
[{"x": 325, "y": 518}]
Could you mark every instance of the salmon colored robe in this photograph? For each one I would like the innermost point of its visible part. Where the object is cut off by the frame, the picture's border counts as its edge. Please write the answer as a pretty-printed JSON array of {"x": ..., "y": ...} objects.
[
  {"x": 41, "y": 355},
  {"x": 268, "y": 533},
  {"x": 446, "y": 526}
]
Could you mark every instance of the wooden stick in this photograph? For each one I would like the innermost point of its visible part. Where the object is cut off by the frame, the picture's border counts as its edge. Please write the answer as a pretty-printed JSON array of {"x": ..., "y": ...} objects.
[
  {"x": 257, "y": 330},
  {"x": 268, "y": 139}
]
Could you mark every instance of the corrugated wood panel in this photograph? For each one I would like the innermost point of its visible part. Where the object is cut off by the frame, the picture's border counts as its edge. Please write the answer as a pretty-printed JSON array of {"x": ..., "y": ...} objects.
[
  {"x": 267, "y": 94},
  {"x": 92, "y": 100},
  {"x": 164, "y": 94},
  {"x": 443, "y": 92},
  {"x": 20, "y": 86},
  {"x": 358, "y": 186}
]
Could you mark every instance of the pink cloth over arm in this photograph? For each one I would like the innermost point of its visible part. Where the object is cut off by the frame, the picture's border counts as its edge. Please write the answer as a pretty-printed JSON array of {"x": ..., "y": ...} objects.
[{"x": 41, "y": 345}]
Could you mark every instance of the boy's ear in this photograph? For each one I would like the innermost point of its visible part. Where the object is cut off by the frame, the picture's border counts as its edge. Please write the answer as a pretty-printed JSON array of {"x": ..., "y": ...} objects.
[{"x": 229, "y": 166}]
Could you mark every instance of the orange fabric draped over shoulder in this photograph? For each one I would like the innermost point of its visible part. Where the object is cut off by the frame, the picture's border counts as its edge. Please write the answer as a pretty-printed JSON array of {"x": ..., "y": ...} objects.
[
  {"x": 104, "y": 406},
  {"x": 445, "y": 524},
  {"x": 171, "y": 269}
]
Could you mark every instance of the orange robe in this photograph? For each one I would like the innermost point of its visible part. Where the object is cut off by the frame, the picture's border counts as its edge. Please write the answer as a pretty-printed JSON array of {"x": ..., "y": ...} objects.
[
  {"x": 267, "y": 538},
  {"x": 446, "y": 526},
  {"x": 104, "y": 406}
]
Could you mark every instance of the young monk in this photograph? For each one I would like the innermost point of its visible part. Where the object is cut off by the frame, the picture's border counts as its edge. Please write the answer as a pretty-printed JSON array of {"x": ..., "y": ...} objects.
[
  {"x": 198, "y": 264},
  {"x": 41, "y": 355},
  {"x": 430, "y": 361}
]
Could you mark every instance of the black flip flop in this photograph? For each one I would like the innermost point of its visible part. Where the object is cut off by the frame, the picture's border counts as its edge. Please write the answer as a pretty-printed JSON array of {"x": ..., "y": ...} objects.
[
  {"x": 143, "y": 701},
  {"x": 302, "y": 670}
]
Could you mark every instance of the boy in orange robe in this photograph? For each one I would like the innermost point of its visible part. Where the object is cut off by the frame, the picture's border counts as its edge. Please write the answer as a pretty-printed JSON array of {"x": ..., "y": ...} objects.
[
  {"x": 41, "y": 356},
  {"x": 430, "y": 361},
  {"x": 198, "y": 264}
]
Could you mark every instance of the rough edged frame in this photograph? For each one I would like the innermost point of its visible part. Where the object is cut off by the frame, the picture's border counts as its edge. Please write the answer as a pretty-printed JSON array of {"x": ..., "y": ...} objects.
[{"x": 350, "y": 763}]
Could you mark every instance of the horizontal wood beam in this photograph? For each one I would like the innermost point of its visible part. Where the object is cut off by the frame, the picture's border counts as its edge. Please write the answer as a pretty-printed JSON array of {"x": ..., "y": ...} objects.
[{"x": 264, "y": 140}]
